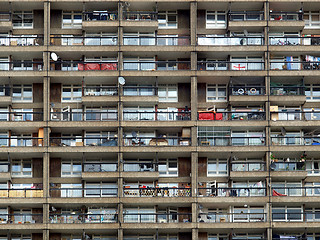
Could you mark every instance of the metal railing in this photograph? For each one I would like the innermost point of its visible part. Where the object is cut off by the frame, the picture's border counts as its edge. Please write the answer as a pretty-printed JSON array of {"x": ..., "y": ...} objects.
[
  {"x": 220, "y": 217},
  {"x": 14, "y": 141},
  {"x": 140, "y": 16},
  {"x": 5, "y": 16},
  {"x": 100, "y": 167},
  {"x": 156, "y": 217},
  {"x": 83, "y": 141},
  {"x": 83, "y": 218},
  {"x": 155, "y": 41},
  {"x": 248, "y": 166},
  {"x": 4, "y": 167},
  {"x": 294, "y": 40},
  {"x": 156, "y": 192},
  {"x": 84, "y": 116},
  {"x": 139, "y": 166},
  {"x": 140, "y": 91},
  {"x": 232, "y": 141},
  {"x": 21, "y": 193},
  {"x": 156, "y": 116},
  {"x": 23, "y": 218},
  {"x": 20, "y": 65},
  {"x": 84, "y": 66},
  {"x": 84, "y": 41},
  {"x": 230, "y": 65},
  {"x": 230, "y": 41},
  {"x": 287, "y": 90},
  {"x": 293, "y": 65},
  {"x": 296, "y": 191},
  {"x": 239, "y": 90},
  {"x": 21, "y": 116},
  {"x": 83, "y": 192},
  {"x": 296, "y": 215},
  {"x": 100, "y": 91},
  {"x": 232, "y": 192},
  {"x": 156, "y": 141},
  {"x": 5, "y": 91},
  {"x": 285, "y": 16},
  {"x": 289, "y": 166},
  {"x": 246, "y": 16},
  {"x": 21, "y": 40},
  {"x": 100, "y": 16},
  {"x": 295, "y": 140},
  {"x": 156, "y": 65},
  {"x": 293, "y": 115},
  {"x": 232, "y": 116}
]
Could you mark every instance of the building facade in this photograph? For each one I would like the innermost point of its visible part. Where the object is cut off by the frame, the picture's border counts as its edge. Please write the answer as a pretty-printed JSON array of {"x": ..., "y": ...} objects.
[{"x": 164, "y": 120}]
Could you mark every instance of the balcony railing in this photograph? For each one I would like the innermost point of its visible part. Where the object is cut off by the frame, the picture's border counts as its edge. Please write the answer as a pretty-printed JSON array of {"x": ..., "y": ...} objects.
[
  {"x": 156, "y": 141},
  {"x": 83, "y": 141},
  {"x": 156, "y": 41},
  {"x": 232, "y": 192},
  {"x": 294, "y": 41},
  {"x": 20, "y": 65},
  {"x": 21, "y": 116},
  {"x": 140, "y": 91},
  {"x": 83, "y": 218},
  {"x": 220, "y": 217},
  {"x": 5, "y": 16},
  {"x": 5, "y": 91},
  {"x": 156, "y": 192},
  {"x": 230, "y": 41},
  {"x": 287, "y": 115},
  {"x": 83, "y": 192},
  {"x": 295, "y": 215},
  {"x": 230, "y": 66},
  {"x": 156, "y": 217},
  {"x": 295, "y": 191},
  {"x": 100, "y": 167},
  {"x": 246, "y": 15},
  {"x": 240, "y": 90},
  {"x": 23, "y": 218},
  {"x": 287, "y": 91},
  {"x": 84, "y": 116},
  {"x": 247, "y": 166},
  {"x": 84, "y": 66},
  {"x": 100, "y": 91},
  {"x": 20, "y": 40},
  {"x": 232, "y": 116},
  {"x": 84, "y": 41},
  {"x": 285, "y": 16},
  {"x": 21, "y": 193},
  {"x": 232, "y": 141},
  {"x": 100, "y": 16},
  {"x": 294, "y": 65},
  {"x": 288, "y": 166},
  {"x": 140, "y": 16},
  {"x": 139, "y": 166},
  {"x": 156, "y": 65},
  {"x": 20, "y": 141},
  {"x": 156, "y": 116},
  {"x": 295, "y": 140}
]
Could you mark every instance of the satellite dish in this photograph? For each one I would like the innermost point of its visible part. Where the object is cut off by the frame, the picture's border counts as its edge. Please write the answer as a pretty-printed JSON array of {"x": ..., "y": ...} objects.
[
  {"x": 121, "y": 81},
  {"x": 54, "y": 56}
]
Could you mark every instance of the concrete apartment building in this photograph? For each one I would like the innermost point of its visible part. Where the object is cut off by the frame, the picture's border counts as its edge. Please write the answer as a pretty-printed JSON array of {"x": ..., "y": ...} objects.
[{"x": 164, "y": 120}]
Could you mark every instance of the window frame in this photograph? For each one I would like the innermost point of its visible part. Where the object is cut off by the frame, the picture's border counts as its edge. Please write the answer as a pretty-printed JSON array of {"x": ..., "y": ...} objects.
[
  {"x": 169, "y": 171},
  {"x": 72, "y": 20},
  {"x": 217, "y": 97},
  {"x": 23, "y": 24},
  {"x": 216, "y": 24}
]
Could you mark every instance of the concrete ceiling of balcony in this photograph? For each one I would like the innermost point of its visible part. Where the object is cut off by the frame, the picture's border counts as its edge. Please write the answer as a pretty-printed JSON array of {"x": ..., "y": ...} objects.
[
  {"x": 21, "y": 80},
  {"x": 22, "y": 55},
  {"x": 103, "y": 231},
  {"x": 150, "y": 155},
  {"x": 90, "y": 155},
  {"x": 69, "y": 130},
  {"x": 285, "y": 6},
  {"x": 21, "y": 155},
  {"x": 151, "y": 129},
  {"x": 22, "y": 6},
  {"x": 86, "y": 80},
  {"x": 240, "y": 155},
  {"x": 78, "y": 55},
  {"x": 160, "y": 80},
  {"x": 161, "y": 55},
  {"x": 155, "y": 231},
  {"x": 224, "y": 55},
  {"x": 89, "y": 6},
  {"x": 225, "y": 205}
]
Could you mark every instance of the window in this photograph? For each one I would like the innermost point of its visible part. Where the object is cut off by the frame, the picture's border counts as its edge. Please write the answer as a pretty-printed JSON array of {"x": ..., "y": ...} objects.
[
  {"x": 247, "y": 63},
  {"x": 243, "y": 138},
  {"x": 216, "y": 92},
  {"x": 248, "y": 165},
  {"x": 71, "y": 190},
  {"x": 21, "y": 140},
  {"x": 71, "y": 19},
  {"x": 4, "y": 166},
  {"x": 100, "y": 139},
  {"x": 71, "y": 93},
  {"x": 23, "y": 216},
  {"x": 216, "y": 19},
  {"x": 142, "y": 215},
  {"x": 287, "y": 214},
  {"x": 101, "y": 189},
  {"x": 214, "y": 136},
  {"x": 312, "y": 189},
  {"x": 22, "y": 115},
  {"x": 312, "y": 167},
  {"x": 217, "y": 167},
  {"x": 102, "y": 215},
  {"x": 21, "y": 168},
  {"x": 312, "y": 92},
  {"x": 22, "y": 93},
  {"x": 4, "y": 114},
  {"x": 168, "y": 167},
  {"x": 168, "y": 19},
  {"x": 311, "y": 19},
  {"x": 100, "y": 165},
  {"x": 168, "y": 93},
  {"x": 218, "y": 236},
  {"x": 21, "y": 237},
  {"x": 246, "y": 189},
  {"x": 4, "y": 141},
  {"x": 285, "y": 63},
  {"x": 71, "y": 168},
  {"x": 287, "y": 188},
  {"x": 139, "y": 63},
  {"x": 248, "y": 214},
  {"x": 138, "y": 165},
  {"x": 101, "y": 114},
  {"x": 138, "y": 113},
  {"x": 4, "y": 215},
  {"x": 22, "y": 65},
  {"x": 145, "y": 39},
  {"x": 22, "y": 19},
  {"x": 103, "y": 39},
  {"x": 138, "y": 90}
]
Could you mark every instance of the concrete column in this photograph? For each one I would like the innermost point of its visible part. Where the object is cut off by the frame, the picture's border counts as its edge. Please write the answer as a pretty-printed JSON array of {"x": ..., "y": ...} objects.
[
  {"x": 120, "y": 36},
  {"x": 194, "y": 173},
  {"x": 120, "y": 214},
  {"x": 46, "y": 213},
  {"x": 46, "y": 99},
  {"x": 120, "y": 11},
  {"x": 45, "y": 234},
  {"x": 195, "y": 234},
  {"x": 194, "y": 60},
  {"x": 194, "y": 99},
  {"x": 46, "y": 23},
  {"x": 269, "y": 233},
  {"x": 193, "y": 23},
  {"x": 120, "y": 61},
  {"x": 120, "y": 234},
  {"x": 46, "y": 171},
  {"x": 267, "y": 133},
  {"x": 120, "y": 171}
]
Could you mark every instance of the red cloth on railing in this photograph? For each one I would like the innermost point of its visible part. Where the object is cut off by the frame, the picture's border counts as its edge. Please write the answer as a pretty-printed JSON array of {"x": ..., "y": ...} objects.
[
  {"x": 218, "y": 116},
  {"x": 108, "y": 66},
  {"x": 275, "y": 193},
  {"x": 80, "y": 66},
  {"x": 91, "y": 66},
  {"x": 206, "y": 115}
]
